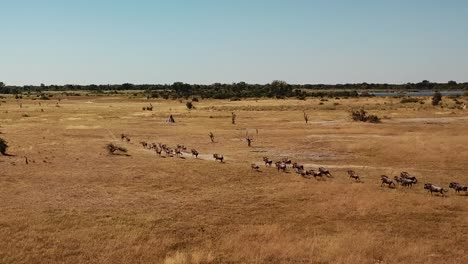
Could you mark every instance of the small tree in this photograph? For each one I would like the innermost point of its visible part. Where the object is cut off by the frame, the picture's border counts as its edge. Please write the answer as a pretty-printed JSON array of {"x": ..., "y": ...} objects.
[
  {"x": 436, "y": 98},
  {"x": 211, "y": 137},
  {"x": 3, "y": 146},
  {"x": 189, "y": 105},
  {"x": 306, "y": 117}
]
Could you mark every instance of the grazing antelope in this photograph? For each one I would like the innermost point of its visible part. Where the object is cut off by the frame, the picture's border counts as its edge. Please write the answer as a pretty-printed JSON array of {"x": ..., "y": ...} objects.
[
  {"x": 218, "y": 157},
  {"x": 268, "y": 162},
  {"x": 353, "y": 175},
  {"x": 386, "y": 180},
  {"x": 458, "y": 187},
  {"x": 255, "y": 167},
  {"x": 406, "y": 175},
  {"x": 281, "y": 166},
  {"x": 325, "y": 172},
  {"x": 432, "y": 188},
  {"x": 194, "y": 153}
]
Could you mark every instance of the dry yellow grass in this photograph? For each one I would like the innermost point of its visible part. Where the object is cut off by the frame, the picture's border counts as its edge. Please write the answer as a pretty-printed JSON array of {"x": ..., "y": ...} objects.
[{"x": 78, "y": 204}]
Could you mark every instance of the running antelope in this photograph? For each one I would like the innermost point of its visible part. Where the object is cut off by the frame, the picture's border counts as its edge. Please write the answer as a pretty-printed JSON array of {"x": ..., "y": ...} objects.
[
  {"x": 458, "y": 187},
  {"x": 434, "y": 189},
  {"x": 353, "y": 175},
  {"x": 406, "y": 175},
  {"x": 325, "y": 172},
  {"x": 386, "y": 180},
  {"x": 297, "y": 166},
  {"x": 194, "y": 153},
  {"x": 255, "y": 167},
  {"x": 218, "y": 157},
  {"x": 280, "y": 166},
  {"x": 268, "y": 162}
]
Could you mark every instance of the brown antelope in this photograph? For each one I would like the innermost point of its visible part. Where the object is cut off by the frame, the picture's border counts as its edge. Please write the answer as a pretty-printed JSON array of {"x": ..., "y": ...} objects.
[
  {"x": 386, "y": 180},
  {"x": 458, "y": 187},
  {"x": 125, "y": 137},
  {"x": 297, "y": 166},
  {"x": 255, "y": 167},
  {"x": 406, "y": 175},
  {"x": 353, "y": 175},
  {"x": 325, "y": 172},
  {"x": 158, "y": 150},
  {"x": 144, "y": 144},
  {"x": 281, "y": 166},
  {"x": 268, "y": 162},
  {"x": 194, "y": 153},
  {"x": 432, "y": 188},
  {"x": 286, "y": 161},
  {"x": 178, "y": 152},
  {"x": 218, "y": 157}
]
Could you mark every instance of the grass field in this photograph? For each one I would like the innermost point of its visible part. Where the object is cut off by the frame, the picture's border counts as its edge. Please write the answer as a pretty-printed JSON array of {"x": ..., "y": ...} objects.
[{"x": 75, "y": 203}]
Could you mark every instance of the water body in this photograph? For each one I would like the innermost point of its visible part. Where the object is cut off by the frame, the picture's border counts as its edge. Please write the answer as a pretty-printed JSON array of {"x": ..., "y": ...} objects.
[{"x": 416, "y": 93}]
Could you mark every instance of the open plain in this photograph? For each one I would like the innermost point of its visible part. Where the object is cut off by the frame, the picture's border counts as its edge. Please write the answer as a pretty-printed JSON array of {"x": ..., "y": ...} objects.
[{"x": 75, "y": 203}]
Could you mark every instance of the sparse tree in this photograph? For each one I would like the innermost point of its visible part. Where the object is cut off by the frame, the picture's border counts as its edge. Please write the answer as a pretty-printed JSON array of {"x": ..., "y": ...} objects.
[
  {"x": 189, "y": 105},
  {"x": 249, "y": 141}
]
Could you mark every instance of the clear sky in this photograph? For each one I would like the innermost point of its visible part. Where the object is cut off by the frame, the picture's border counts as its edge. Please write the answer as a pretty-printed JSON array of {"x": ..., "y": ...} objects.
[{"x": 256, "y": 41}]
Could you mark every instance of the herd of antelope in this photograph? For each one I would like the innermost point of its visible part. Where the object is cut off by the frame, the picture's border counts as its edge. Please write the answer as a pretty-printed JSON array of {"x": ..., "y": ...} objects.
[{"x": 405, "y": 179}]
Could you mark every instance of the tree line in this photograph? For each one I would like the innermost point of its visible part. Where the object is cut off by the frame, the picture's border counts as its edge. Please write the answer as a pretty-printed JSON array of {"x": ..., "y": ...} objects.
[{"x": 275, "y": 89}]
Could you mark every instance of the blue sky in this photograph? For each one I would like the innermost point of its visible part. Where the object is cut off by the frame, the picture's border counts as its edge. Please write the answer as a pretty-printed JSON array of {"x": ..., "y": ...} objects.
[{"x": 257, "y": 41}]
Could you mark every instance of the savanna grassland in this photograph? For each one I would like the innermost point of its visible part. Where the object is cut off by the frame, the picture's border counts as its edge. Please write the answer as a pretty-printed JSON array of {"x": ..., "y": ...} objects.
[{"x": 75, "y": 203}]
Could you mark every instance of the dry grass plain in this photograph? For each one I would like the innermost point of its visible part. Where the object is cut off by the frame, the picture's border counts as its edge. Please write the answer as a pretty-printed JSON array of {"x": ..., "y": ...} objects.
[{"x": 78, "y": 204}]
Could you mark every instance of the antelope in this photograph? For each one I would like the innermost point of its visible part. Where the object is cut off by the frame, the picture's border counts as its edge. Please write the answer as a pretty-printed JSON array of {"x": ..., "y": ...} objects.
[
  {"x": 182, "y": 147},
  {"x": 194, "y": 153},
  {"x": 353, "y": 175},
  {"x": 158, "y": 150},
  {"x": 144, "y": 144},
  {"x": 386, "y": 180},
  {"x": 315, "y": 174},
  {"x": 286, "y": 161},
  {"x": 125, "y": 137},
  {"x": 432, "y": 188},
  {"x": 280, "y": 166},
  {"x": 268, "y": 162},
  {"x": 325, "y": 172},
  {"x": 255, "y": 167},
  {"x": 218, "y": 157},
  {"x": 458, "y": 187},
  {"x": 407, "y": 182},
  {"x": 406, "y": 175},
  {"x": 178, "y": 152},
  {"x": 297, "y": 166}
]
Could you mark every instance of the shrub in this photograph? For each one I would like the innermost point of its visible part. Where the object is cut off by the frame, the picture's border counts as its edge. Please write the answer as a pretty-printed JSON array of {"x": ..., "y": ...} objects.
[
  {"x": 189, "y": 105},
  {"x": 361, "y": 116},
  {"x": 436, "y": 98},
  {"x": 3, "y": 146},
  {"x": 409, "y": 100},
  {"x": 195, "y": 99}
]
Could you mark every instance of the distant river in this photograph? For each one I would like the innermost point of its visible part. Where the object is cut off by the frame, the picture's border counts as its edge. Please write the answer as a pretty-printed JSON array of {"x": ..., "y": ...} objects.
[{"x": 416, "y": 93}]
